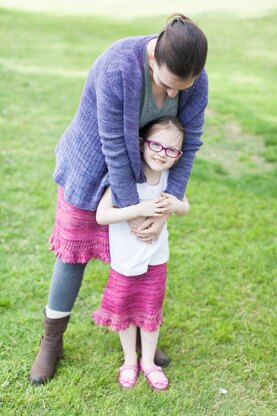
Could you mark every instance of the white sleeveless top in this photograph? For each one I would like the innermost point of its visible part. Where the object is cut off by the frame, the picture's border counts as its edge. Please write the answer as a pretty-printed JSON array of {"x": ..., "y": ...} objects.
[{"x": 130, "y": 256}]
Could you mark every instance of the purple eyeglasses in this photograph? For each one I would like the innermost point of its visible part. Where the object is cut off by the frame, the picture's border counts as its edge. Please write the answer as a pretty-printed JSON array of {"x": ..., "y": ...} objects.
[{"x": 158, "y": 147}]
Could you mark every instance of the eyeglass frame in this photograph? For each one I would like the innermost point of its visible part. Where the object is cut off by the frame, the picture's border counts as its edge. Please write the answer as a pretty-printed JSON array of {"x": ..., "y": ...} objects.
[{"x": 163, "y": 148}]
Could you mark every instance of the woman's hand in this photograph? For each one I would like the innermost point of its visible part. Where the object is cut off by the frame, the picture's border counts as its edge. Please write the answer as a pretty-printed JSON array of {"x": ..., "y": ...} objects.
[
  {"x": 136, "y": 222},
  {"x": 150, "y": 229}
]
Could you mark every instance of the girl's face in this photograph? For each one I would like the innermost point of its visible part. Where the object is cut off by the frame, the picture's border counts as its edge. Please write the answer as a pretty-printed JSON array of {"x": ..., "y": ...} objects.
[
  {"x": 168, "y": 138},
  {"x": 171, "y": 83}
]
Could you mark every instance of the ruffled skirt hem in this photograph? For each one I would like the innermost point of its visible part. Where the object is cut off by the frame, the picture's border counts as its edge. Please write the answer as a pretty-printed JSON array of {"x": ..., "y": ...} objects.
[
  {"x": 115, "y": 322},
  {"x": 79, "y": 251}
]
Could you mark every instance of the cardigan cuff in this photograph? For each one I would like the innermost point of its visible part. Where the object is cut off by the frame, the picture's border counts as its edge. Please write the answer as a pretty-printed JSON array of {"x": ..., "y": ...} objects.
[{"x": 124, "y": 196}]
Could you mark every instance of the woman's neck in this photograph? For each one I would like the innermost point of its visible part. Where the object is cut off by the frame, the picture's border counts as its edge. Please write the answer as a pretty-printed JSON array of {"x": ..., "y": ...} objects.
[
  {"x": 152, "y": 177},
  {"x": 151, "y": 52}
]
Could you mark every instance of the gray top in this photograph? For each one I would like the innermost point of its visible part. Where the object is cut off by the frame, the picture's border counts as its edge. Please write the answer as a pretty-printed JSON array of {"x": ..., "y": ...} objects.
[{"x": 149, "y": 110}]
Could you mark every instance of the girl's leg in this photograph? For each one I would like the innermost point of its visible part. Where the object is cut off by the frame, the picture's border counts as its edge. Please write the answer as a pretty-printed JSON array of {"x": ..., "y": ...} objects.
[
  {"x": 128, "y": 341},
  {"x": 154, "y": 375},
  {"x": 160, "y": 358},
  {"x": 149, "y": 341},
  {"x": 128, "y": 373}
]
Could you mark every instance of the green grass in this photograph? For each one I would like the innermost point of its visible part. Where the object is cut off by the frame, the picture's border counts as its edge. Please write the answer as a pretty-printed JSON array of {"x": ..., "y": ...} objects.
[{"x": 219, "y": 328}]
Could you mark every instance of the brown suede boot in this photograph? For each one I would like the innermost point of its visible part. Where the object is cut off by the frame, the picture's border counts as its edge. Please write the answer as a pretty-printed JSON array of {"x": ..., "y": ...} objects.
[
  {"x": 160, "y": 358},
  {"x": 51, "y": 349}
]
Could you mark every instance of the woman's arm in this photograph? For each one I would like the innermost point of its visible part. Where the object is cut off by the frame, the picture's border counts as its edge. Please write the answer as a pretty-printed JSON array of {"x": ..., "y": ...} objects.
[
  {"x": 111, "y": 131},
  {"x": 108, "y": 214},
  {"x": 191, "y": 114}
]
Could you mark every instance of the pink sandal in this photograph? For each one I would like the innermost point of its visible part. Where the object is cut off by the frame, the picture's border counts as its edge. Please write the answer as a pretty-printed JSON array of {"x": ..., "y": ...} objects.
[
  {"x": 128, "y": 382},
  {"x": 156, "y": 385}
]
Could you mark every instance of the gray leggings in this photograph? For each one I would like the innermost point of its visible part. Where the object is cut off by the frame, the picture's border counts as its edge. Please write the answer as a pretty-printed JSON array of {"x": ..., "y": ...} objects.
[{"x": 65, "y": 284}]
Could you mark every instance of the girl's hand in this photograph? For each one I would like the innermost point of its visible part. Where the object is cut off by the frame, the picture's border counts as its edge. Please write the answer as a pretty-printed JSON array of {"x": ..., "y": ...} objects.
[
  {"x": 150, "y": 229},
  {"x": 152, "y": 208},
  {"x": 171, "y": 203}
]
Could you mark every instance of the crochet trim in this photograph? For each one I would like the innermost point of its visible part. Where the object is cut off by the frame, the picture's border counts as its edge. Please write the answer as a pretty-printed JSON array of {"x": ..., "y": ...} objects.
[
  {"x": 79, "y": 251},
  {"x": 138, "y": 318}
]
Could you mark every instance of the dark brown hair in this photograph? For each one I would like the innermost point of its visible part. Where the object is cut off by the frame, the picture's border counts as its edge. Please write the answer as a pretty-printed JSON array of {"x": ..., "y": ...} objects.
[{"x": 182, "y": 47}]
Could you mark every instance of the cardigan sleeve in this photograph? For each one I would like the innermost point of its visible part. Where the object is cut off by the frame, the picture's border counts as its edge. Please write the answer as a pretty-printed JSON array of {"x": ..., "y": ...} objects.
[
  {"x": 111, "y": 130},
  {"x": 191, "y": 115}
]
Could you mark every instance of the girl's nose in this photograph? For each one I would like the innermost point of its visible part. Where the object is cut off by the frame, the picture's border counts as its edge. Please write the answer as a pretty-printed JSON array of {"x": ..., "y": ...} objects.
[{"x": 162, "y": 153}]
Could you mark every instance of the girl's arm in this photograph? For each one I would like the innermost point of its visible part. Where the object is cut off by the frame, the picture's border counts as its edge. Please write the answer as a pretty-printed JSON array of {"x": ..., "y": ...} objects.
[
  {"x": 172, "y": 204},
  {"x": 151, "y": 227},
  {"x": 183, "y": 206},
  {"x": 108, "y": 214}
]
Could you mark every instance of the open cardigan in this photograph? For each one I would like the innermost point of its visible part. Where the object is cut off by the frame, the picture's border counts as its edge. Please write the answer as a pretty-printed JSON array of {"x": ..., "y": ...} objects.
[{"x": 100, "y": 146}]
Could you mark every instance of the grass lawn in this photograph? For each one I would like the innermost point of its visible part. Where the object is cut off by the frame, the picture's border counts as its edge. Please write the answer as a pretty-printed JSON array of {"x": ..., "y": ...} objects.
[{"x": 219, "y": 325}]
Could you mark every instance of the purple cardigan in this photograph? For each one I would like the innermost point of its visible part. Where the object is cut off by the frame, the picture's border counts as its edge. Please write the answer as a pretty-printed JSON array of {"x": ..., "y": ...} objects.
[{"x": 101, "y": 147}]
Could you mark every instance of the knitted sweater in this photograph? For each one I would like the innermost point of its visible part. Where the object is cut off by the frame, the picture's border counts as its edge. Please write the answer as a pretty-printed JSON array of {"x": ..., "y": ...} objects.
[{"x": 101, "y": 146}]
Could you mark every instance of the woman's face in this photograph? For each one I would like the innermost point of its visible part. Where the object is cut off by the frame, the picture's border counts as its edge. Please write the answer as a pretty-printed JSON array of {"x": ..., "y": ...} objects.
[{"x": 163, "y": 78}]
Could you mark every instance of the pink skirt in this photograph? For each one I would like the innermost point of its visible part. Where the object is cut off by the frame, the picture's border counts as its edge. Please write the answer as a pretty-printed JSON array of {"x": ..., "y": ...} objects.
[
  {"x": 135, "y": 300},
  {"x": 76, "y": 236}
]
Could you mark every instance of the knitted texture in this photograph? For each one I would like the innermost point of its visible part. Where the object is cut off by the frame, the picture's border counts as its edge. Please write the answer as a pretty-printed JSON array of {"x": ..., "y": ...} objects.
[
  {"x": 101, "y": 145},
  {"x": 76, "y": 236},
  {"x": 135, "y": 300}
]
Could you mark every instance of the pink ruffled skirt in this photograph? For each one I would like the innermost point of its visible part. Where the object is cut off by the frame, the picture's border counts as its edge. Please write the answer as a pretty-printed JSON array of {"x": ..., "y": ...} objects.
[
  {"x": 76, "y": 236},
  {"x": 135, "y": 300}
]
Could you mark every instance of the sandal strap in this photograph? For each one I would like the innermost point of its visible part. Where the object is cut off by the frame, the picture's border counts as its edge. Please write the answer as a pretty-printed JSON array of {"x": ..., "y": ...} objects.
[
  {"x": 152, "y": 369},
  {"x": 128, "y": 367}
]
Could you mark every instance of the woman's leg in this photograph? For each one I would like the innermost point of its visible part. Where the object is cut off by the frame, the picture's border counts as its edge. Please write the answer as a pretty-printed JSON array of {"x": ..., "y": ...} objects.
[
  {"x": 65, "y": 284},
  {"x": 64, "y": 288}
]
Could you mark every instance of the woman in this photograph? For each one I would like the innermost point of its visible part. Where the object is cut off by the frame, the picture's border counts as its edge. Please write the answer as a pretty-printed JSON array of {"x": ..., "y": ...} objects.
[{"x": 133, "y": 82}]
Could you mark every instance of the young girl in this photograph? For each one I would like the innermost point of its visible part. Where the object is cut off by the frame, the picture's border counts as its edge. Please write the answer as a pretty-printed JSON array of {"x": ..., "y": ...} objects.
[{"x": 135, "y": 290}]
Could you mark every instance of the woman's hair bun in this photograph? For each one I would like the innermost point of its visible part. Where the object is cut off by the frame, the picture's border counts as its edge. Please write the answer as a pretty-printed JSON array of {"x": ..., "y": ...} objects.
[{"x": 174, "y": 18}]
